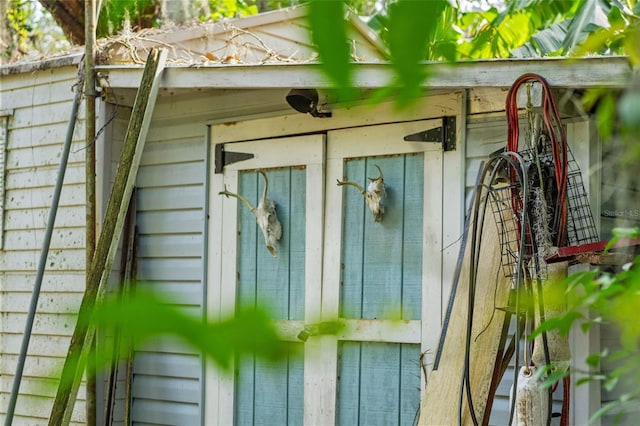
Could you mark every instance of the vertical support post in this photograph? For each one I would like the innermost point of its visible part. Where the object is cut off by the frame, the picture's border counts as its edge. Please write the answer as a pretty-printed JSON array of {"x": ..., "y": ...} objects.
[
  {"x": 90, "y": 170},
  {"x": 107, "y": 245}
]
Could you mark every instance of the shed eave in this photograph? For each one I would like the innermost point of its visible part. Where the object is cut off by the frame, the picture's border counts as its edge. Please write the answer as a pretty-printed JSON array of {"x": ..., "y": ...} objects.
[{"x": 560, "y": 72}]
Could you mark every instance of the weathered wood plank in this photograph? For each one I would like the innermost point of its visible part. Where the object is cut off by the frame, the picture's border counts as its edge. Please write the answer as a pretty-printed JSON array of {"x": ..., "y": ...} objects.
[
  {"x": 26, "y": 219},
  {"x": 442, "y": 395}
]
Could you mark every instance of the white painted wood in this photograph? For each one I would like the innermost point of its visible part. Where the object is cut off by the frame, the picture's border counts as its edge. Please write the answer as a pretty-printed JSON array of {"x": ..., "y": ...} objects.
[
  {"x": 343, "y": 118},
  {"x": 433, "y": 289},
  {"x": 453, "y": 205},
  {"x": 47, "y": 155},
  {"x": 44, "y": 176},
  {"x": 305, "y": 151},
  {"x": 385, "y": 140},
  {"x": 42, "y": 115},
  {"x": 27, "y": 219},
  {"x": 4, "y": 130},
  {"x": 30, "y": 77},
  {"x": 29, "y": 198},
  {"x": 214, "y": 377},
  {"x": 587, "y": 72},
  {"x": 43, "y": 93}
]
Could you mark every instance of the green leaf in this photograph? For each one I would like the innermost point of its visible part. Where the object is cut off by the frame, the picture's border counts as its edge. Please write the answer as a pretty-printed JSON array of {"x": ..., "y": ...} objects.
[
  {"x": 144, "y": 316},
  {"x": 411, "y": 27},
  {"x": 582, "y": 23},
  {"x": 329, "y": 35},
  {"x": 562, "y": 324}
]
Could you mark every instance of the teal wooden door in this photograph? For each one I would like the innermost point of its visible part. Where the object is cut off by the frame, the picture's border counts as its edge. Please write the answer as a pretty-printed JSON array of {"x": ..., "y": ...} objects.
[
  {"x": 383, "y": 287},
  {"x": 383, "y": 280},
  {"x": 286, "y": 285}
]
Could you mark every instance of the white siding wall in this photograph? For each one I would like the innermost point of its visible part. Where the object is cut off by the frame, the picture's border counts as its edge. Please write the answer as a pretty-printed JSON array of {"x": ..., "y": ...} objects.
[
  {"x": 167, "y": 384},
  {"x": 42, "y": 102}
]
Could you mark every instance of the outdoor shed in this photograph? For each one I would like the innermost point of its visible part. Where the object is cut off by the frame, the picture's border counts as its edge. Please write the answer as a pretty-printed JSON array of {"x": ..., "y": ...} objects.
[{"x": 223, "y": 98}]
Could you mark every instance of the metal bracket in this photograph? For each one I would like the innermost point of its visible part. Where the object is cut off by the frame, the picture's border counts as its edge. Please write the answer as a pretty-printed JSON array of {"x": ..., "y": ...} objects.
[
  {"x": 223, "y": 158},
  {"x": 446, "y": 134}
]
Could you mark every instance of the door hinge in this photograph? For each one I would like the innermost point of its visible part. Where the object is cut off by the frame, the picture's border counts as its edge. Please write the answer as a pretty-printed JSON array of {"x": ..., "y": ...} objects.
[
  {"x": 224, "y": 158},
  {"x": 445, "y": 134}
]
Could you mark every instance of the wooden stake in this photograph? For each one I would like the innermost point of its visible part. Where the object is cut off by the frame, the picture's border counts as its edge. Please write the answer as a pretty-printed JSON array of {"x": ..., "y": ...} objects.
[{"x": 109, "y": 238}]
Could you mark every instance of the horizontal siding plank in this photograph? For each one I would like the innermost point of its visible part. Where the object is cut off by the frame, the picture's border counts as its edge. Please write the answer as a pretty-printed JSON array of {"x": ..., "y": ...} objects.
[
  {"x": 170, "y": 222},
  {"x": 173, "y": 151},
  {"x": 58, "y": 260},
  {"x": 171, "y": 246},
  {"x": 166, "y": 345},
  {"x": 189, "y": 269},
  {"x": 32, "y": 386},
  {"x": 43, "y": 176},
  {"x": 35, "y": 410},
  {"x": 47, "y": 155},
  {"x": 171, "y": 174},
  {"x": 165, "y": 388},
  {"x": 181, "y": 133},
  {"x": 35, "y": 366},
  {"x": 37, "y": 115},
  {"x": 39, "y": 345},
  {"x": 36, "y": 218},
  {"x": 164, "y": 413},
  {"x": 52, "y": 281},
  {"x": 48, "y": 303},
  {"x": 61, "y": 238},
  {"x": 45, "y": 134},
  {"x": 179, "y": 197},
  {"x": 167, "y": 364},
  {"x": 45, "y": 324},
  {"x": 40, "y": 77},
  {"x": 180, "y": 293},
  {"x": 71, "y": 195},
  {"x": 42, "y": 94}
]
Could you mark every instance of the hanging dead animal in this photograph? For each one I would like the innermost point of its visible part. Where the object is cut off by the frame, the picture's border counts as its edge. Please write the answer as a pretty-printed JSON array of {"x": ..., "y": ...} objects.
[
  {"x": 373, "y": 195},
  {"x": 265, "y": 214}
]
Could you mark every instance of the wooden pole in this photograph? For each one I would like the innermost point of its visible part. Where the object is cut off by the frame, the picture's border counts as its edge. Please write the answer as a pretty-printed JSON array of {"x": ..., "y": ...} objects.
[
  {"x": 90, "y": 170},
  {"x": 109, "y": 238}
]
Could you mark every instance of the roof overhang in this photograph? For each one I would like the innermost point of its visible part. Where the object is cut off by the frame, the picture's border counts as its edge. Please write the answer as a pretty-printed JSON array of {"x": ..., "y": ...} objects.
[{"x": 560, "y": 73}]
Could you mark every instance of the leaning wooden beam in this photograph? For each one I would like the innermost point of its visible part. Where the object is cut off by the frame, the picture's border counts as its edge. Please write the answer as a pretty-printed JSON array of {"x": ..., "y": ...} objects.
[
  {"x": 107, "y": 244},
  {"x": 445, "y": 401}
]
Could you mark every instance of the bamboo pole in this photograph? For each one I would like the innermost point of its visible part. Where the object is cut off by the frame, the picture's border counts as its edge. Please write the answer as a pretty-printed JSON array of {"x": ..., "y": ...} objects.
[{"x": 107, "y": 245}]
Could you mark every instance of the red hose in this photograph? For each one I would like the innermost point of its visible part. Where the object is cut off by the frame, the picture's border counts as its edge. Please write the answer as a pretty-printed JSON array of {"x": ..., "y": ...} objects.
[{"x": 558, "y": 137}]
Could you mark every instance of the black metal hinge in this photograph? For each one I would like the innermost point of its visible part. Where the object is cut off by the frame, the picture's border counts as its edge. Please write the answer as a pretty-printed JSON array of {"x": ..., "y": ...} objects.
[
  {"x": 446, "y": 134},
  {"x": 224, "y": 158}
]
